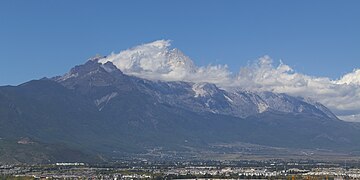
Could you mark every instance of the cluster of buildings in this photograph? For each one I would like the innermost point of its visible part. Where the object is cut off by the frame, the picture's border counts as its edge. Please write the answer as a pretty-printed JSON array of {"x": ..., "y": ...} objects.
[
  {"x": 178, "y": 170},
  {"x": 353, "y": 173}
]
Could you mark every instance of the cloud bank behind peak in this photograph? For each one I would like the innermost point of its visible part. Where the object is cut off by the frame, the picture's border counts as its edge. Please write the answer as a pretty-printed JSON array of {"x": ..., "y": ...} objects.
[{"x": 158, "y": 61}]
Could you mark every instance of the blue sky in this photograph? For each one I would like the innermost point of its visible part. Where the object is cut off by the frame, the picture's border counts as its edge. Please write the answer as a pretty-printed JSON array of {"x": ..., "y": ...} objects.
[{"x": 46, "y": 38}]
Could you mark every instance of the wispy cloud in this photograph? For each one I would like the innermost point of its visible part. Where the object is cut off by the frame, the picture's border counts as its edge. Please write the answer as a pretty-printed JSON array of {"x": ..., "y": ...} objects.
[{"x": 157, "y": 61}]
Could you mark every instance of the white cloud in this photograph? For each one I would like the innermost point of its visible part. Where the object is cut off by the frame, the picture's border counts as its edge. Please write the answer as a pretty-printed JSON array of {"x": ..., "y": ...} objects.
[
  {"x": 342, "y": 96},
  {"x": 157, "y": 61},
  {"x": 351, "y": 78}
]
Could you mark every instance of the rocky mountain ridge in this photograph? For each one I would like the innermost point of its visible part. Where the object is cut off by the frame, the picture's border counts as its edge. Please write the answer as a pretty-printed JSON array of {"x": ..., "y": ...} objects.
[{"x": 96, "y": 110}]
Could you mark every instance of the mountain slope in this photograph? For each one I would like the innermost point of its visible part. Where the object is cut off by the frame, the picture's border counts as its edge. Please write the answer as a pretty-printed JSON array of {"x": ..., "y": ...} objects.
[{"x": 99, "y": 110}]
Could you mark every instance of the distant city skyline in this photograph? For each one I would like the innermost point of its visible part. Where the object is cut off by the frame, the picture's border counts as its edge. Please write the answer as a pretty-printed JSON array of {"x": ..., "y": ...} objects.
[{"x": 46, "y": 38}]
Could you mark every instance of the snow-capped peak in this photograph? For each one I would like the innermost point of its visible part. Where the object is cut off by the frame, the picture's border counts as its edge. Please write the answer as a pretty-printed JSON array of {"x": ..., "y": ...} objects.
[{"x": 96, "y": 58}]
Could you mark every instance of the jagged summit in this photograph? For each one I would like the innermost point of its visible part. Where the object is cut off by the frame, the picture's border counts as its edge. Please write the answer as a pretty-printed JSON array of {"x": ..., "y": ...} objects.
[{"x": 96, "y": 58}]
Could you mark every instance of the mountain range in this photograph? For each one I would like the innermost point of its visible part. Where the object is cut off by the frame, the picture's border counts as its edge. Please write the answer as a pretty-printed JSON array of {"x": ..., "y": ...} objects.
[{"x": 95, "y": 113}]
